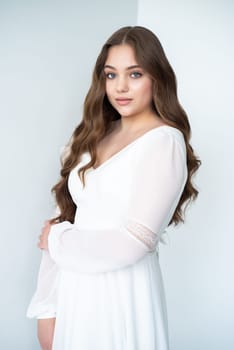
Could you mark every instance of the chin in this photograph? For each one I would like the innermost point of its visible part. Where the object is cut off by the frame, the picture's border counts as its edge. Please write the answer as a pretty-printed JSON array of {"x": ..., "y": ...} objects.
[{"x": 125, "y": 113}]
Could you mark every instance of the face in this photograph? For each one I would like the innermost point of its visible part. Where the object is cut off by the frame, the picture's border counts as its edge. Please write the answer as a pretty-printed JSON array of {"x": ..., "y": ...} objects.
[{"x": 128, "y": 86}]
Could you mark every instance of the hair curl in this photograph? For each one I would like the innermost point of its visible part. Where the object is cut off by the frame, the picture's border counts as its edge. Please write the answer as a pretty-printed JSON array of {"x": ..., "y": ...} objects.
[{"x": 98, "y": 115}]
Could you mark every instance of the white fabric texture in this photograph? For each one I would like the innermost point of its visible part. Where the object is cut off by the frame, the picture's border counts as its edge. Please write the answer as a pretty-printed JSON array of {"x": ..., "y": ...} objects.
[
  {"x": 44, "y": 302},
  {"x": 107, "y": 284}
]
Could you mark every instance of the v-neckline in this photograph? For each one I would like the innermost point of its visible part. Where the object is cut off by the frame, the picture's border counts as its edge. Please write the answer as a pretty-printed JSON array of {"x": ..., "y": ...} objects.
[{"x": 108, "y": 160}]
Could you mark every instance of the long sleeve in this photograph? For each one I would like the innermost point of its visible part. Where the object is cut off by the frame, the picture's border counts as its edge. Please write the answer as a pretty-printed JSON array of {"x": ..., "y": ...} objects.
[
  {"x": 44, "y": 301},
  {"x": 160, "y": 174}
]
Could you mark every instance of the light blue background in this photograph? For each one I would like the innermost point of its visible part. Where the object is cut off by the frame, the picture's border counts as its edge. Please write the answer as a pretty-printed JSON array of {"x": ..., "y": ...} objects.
[
  {"x": 198, "y": 263},
  {"x": 47, "y": 53}
]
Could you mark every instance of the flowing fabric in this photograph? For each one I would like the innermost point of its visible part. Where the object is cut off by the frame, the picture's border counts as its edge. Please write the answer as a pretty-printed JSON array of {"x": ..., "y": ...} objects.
[{"x": 101, "y": 276}]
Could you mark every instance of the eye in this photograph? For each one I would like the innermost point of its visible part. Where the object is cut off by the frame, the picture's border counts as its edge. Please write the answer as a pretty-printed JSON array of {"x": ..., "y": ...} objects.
[
  {"x": 136, "y": 75},
  {"x": 110, "y": 75}
]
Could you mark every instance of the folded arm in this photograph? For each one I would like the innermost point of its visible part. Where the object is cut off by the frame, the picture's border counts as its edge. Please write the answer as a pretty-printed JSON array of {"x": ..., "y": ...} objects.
[{"x": 159, "y": 179}]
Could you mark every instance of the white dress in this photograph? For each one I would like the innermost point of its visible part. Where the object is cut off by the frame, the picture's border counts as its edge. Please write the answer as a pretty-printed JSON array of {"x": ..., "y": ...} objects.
[{"x": 101, "y": 277}]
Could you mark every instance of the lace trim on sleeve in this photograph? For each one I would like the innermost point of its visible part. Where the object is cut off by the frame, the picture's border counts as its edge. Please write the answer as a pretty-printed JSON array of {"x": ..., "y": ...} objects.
[{"x": 142, "y": 233}]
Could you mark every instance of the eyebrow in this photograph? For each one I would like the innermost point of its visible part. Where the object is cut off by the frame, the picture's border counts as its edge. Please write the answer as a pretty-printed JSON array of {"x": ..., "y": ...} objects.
[{"x": 128, "y": 68}]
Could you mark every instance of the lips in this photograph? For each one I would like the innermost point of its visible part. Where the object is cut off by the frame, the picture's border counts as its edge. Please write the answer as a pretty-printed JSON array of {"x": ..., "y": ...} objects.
[{"x": 123, "y": 101}]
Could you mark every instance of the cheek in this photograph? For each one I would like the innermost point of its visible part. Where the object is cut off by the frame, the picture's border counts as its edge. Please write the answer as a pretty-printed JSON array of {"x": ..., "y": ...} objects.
[
  {"x": 149, "y": 94},
  {"x": 145, "y": 91},
  {"x": 143, "y": 86},
  {"x": 150, "y": 89},
  {"x": 109, "y": 89}
]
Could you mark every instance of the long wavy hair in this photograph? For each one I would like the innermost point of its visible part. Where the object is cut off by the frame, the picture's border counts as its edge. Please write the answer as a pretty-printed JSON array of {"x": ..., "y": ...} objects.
[{"x": 98, "y": 116}]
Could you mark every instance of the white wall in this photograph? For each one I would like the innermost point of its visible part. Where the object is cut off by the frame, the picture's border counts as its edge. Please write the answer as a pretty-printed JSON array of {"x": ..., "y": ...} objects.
[
  {"x": 197, "y": 264},
  {"x": 47, "y": 53},
  {"x": 48, "y": 50}
]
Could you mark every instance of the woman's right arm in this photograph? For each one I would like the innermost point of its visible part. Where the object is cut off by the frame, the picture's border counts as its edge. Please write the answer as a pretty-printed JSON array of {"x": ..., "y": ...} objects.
[
  {"x": 44, "y": 301},
  {"x": 46, "y": 320}
]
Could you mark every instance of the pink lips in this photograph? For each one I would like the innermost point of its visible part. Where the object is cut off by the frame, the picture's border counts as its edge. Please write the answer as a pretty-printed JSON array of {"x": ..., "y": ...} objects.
[{"x": 123, "y": 101}]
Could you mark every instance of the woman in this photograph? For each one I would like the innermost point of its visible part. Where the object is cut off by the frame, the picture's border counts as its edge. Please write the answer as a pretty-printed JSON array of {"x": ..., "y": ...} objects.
[{"x": 125, "y": 177}]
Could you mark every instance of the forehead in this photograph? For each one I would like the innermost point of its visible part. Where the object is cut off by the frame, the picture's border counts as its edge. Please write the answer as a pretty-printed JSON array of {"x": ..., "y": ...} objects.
[{"x": 121, "y": 56}]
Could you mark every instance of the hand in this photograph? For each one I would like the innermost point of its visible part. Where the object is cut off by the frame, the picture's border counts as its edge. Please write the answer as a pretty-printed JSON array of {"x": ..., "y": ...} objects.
[{"x": 43, "y": 238}]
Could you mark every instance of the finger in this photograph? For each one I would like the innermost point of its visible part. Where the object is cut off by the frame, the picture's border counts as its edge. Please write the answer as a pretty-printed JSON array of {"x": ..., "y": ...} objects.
[{"x": 39, "y": 245}]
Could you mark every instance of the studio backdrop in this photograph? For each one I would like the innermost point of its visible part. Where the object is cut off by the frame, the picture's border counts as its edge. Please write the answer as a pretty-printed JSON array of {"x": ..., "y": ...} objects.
[{"x": 47, "y": 53}]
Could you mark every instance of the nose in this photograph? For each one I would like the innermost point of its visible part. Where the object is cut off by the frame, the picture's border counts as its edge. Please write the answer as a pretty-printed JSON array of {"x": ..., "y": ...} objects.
[{"x": 122, "y": 84}]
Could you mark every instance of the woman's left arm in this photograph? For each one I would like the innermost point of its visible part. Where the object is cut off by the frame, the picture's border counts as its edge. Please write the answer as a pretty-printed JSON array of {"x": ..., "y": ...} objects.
[{"x": 159, "y": 180}]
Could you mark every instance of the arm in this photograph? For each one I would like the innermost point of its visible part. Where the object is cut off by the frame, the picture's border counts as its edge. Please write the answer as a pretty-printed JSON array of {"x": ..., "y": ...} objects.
[
  {"x": 43, "y": 302},
  {"x": 45, "y": 332},
  {"x": 159, "y": 179}
]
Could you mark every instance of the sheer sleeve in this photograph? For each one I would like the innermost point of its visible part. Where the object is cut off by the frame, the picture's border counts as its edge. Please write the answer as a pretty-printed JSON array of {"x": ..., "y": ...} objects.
[
  {"x": 160, "y": 174},
  {"x": 43, "y": 302}
]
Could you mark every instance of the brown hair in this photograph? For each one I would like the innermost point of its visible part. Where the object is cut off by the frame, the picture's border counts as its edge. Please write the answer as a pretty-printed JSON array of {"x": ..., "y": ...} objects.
[{"x": 99, "y": 114}]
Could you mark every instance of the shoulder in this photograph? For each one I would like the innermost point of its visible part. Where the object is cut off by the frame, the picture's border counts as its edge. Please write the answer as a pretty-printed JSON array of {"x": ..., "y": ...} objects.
[
  {"x": 163, "y": 137},
  {"x": 161, "y": 151},
  {"x": 163, "y": 145}
]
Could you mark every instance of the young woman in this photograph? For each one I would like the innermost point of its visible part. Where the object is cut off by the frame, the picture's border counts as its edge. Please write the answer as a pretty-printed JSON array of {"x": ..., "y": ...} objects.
[{"x": 125, "y": 177}]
